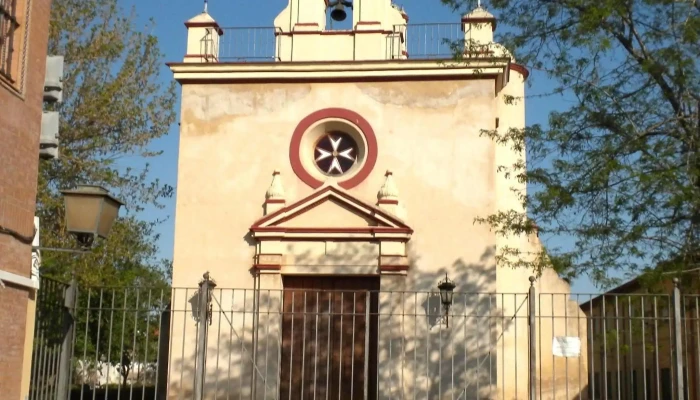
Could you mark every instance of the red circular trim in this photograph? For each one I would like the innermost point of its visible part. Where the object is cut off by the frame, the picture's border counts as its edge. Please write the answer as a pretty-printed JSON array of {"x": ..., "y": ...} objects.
[{"x": 339, "y": 113}]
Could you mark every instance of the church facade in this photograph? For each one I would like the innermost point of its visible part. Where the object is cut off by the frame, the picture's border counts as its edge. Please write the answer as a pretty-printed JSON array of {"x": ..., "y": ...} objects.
[{"x": 329, "y": 191}]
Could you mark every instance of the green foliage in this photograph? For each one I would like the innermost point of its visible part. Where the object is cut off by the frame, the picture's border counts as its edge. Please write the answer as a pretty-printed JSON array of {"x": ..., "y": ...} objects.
[
  {"x": 114, "y": 107},
  {"x": 618, "y": 171},
  {"x": 121, "y": 327}
]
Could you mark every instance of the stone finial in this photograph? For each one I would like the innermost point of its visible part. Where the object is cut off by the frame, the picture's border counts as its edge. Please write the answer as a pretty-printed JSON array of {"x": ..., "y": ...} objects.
[
  {"x": 203, "y": 34},
  {"x": 388, "y": 197},
  {"x": 274, "y": 197},
  {"x": 478, "y": 27},
  {"x": 480, "y": 14},
  {"x": 388, "y": 193},
  {"x": 275, "y": 191}
]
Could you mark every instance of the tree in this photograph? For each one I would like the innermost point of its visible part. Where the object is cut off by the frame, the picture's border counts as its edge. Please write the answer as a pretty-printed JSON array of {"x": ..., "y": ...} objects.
[
  {"x": 114, "y": 106},
  {"x": 618, "y": 172}
]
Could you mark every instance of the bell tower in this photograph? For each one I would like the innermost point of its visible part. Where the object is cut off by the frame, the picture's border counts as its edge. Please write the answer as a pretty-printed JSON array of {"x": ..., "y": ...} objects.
[{"x": 376, "y": 32}]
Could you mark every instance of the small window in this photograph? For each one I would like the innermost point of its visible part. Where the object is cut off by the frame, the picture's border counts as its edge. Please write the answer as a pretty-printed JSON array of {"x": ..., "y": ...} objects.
[
  {"x": 336, "y": 153},
  {"x": 12, "y": 40}
]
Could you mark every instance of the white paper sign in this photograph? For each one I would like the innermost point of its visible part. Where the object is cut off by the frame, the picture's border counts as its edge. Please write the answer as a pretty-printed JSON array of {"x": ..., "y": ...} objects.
[{"x": 566, "y": 346}]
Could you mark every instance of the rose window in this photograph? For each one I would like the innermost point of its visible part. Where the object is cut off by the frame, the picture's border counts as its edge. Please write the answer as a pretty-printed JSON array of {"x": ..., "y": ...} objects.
[{"x": 335, "y": 153}]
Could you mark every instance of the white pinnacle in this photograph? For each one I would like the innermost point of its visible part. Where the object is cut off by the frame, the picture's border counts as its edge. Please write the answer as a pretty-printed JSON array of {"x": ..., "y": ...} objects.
[
  {"x": 388, "y": 191},
  {"x": 275, "y": 191}
]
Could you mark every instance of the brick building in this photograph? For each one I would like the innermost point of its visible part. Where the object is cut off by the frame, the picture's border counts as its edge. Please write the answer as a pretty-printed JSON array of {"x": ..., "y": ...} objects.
[{"x": 24, "y": 30}]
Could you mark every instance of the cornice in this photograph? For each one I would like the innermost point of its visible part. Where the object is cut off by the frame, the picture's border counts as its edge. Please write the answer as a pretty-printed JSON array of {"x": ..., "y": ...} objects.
[{"x": 271, "y": 72}]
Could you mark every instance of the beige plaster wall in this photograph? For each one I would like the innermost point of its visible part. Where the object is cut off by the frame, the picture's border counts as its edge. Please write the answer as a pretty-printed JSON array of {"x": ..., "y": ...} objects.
[{"x": 232, "y": 137}]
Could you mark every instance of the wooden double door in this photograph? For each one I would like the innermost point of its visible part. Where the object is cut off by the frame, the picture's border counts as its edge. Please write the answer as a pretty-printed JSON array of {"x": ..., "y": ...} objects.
[{"x": 329, "y": 338}]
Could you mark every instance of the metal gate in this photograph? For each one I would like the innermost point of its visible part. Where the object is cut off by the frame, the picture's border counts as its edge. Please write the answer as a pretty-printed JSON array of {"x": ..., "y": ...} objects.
[{"x": 52, "y": 338}]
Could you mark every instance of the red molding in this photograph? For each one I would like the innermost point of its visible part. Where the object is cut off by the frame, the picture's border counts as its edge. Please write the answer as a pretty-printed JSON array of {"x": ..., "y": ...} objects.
[
  {"x": 200, "y": 56},
  {"x": 275, "y": 201},
  {"x": 339, "y": 113},
  {"x": 306, "y": 24},
  {"x": 370, "y": 229},
  {"x": 429, "y": 62},
  {"x": 205, "y": 25},
  {"x": 388, "y": 201},
  {"x": 267, "y": 267},
  {"x": 393, "y": 268},
  {"x": 368, "y": 23},
  {"x": 375, "y": 31},
  {"x": 378, "y": 211},
  {"x": 470, "y": 20},
  {"x": 520, "y": 69},
  {"x": 415, "y": 78},
  {"x": 303, "y": 210}
]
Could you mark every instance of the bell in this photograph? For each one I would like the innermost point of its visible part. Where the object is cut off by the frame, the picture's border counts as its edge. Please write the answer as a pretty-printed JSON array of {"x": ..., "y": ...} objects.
[{"x": 338, "y": 13}]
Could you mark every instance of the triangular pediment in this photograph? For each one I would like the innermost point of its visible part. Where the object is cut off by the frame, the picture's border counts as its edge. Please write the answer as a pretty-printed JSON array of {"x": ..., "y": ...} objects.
[
  {"x": 331, "y": 210},
  {"x": 331, "y": 213}
]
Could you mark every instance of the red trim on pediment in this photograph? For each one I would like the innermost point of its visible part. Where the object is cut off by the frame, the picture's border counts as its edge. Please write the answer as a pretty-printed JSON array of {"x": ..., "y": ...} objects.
[
  {"x": 320, "y": 196},
  {"x": 388, "y": 201},
  {"x": 369, "y": 229}
]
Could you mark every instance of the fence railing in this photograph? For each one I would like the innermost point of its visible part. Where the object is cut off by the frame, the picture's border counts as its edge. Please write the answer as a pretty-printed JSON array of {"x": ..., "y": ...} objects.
[
  {"x": 48, "y": 372},
  {"x": 250, "y": 44},
  {"x": 350, "y": 344},
  {"x": 433, "y": 40},
  {"x": 415, "y": 41},
  {"x": 298, "y": 343}
]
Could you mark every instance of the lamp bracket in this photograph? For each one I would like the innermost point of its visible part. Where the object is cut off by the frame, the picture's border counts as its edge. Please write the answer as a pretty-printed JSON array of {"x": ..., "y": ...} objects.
[
  {"x": 85, "y": 240},
  {"x": 62, "y": 250}
]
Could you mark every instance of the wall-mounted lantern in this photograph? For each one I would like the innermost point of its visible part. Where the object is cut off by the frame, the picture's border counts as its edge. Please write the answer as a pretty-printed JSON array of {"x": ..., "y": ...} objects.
[
  {"x": 90, "y": 213},
  {"x": 447, "y": 288}
]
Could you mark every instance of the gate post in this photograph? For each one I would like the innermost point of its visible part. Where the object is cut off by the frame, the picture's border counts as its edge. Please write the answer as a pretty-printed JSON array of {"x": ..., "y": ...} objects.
[
  {"x": 64, "y": 367},
  {"x": 203, "y": 319},
  {"x": 678, "y": 341},
  {"x": 532, "y": 339}
]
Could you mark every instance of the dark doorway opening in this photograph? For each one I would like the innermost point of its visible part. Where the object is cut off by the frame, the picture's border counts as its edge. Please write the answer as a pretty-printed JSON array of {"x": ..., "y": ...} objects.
[{"x": 329, "y": 337}]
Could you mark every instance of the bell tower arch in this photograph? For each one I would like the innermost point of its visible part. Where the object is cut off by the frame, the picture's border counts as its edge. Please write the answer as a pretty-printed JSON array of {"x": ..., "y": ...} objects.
[{"x": 376, "y": 32}]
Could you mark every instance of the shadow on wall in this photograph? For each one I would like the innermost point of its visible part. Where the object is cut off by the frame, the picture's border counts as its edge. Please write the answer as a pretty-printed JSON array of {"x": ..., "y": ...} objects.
[{"x": 417, "y": 353}]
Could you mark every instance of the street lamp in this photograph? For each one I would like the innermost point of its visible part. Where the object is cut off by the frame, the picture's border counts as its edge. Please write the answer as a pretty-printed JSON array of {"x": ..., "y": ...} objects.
[
  {"x": 447, "y": 288},
  {"x": 90, "y": 213}
]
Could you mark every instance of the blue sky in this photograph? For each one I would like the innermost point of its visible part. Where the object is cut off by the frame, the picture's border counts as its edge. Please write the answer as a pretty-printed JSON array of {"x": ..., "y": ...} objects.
[{"x": 169, "y": 16}]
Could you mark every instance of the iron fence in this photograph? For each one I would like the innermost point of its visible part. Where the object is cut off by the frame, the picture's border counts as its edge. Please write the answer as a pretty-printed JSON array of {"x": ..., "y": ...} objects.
[
  {"x": 250, "y": 44},
  {"x": 432, "y": 40},
  {"x": 343, "y": 344},
  {"x": 50, "y": 335},
  {"x": 349, "y": 343},
  {"x": 416, "y": 41}
]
